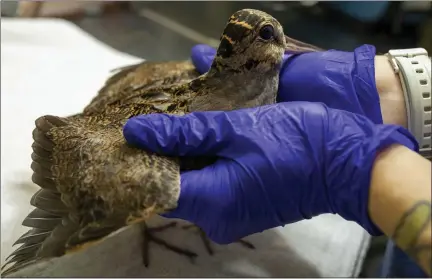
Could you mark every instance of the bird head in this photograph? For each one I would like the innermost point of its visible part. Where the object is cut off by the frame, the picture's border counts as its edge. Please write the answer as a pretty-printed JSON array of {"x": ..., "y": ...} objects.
[{"x": 251, "y": 40}]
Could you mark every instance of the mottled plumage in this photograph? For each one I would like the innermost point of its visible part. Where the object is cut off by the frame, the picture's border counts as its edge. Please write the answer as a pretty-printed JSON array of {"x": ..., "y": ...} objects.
[
  {"x": 93, "y": 183},
  {"x": 140, "y": 77}
]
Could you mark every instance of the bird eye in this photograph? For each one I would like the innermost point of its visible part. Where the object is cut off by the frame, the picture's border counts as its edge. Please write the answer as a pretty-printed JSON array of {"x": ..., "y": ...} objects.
[{"x": 266, "y": 32}]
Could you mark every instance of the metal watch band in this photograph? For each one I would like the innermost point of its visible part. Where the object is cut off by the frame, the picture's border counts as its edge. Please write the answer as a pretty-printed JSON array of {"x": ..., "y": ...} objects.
[{"x": 414, "y": 69}]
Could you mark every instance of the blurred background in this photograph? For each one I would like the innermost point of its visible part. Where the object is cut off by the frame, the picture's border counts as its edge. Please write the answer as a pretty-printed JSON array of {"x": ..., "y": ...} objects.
[{"x": 167, "y": 30}]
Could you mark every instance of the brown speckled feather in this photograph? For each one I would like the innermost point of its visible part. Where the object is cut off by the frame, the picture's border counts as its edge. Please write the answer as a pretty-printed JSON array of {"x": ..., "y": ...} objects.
[
  {"x": 142, "y": 76},
  {"x": 93, "y": 183}
]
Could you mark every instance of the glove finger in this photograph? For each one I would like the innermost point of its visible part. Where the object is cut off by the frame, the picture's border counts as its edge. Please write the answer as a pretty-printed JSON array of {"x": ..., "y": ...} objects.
[
  {"x": 208, "y": 200},
  {"x": 202, "y": 57},
  {"x": 194, "y": 134},
  {"x": 194, "y": 185}
]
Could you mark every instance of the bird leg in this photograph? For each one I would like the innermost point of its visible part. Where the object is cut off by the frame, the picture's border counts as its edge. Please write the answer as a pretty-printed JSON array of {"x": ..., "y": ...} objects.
[
  {"x": 148, "y": 236},
  {"x": 206, "y": 240}
]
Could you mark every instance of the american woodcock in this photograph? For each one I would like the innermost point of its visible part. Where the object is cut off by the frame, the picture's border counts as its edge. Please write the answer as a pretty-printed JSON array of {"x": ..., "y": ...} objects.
[{"x": 93, "y": 183}]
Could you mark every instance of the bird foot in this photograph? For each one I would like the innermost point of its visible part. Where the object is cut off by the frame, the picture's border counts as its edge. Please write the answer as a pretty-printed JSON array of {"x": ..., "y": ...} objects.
[
  {"x": 206, "y": 240},
  {"x": 148, "y": 236},
  {"x": 246, "y": 244}
]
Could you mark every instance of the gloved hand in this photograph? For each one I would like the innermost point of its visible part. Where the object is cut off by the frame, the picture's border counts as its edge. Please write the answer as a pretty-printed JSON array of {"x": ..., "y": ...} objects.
[
  {"x": 277, "y": 164},
  {"x": 341, "y": 80}
]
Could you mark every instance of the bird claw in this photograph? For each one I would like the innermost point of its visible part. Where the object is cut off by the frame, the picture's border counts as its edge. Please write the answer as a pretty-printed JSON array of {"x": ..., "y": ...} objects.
[
  {"x": 246, "y": 244},
  {"x": 148, "y": 236},
  {"x": 206, "y": 240}
]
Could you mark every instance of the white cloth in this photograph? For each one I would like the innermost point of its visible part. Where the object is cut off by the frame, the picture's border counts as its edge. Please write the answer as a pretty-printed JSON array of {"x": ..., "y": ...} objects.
[{"x": 50, "y": 66}]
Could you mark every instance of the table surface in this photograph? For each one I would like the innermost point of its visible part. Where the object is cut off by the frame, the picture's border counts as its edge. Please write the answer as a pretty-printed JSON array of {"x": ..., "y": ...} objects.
[{"x": 50, "y": 66}]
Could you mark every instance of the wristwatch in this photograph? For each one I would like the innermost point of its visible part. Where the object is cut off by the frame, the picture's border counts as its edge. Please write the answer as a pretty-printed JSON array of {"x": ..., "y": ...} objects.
[{"x": 414, "y": 69}]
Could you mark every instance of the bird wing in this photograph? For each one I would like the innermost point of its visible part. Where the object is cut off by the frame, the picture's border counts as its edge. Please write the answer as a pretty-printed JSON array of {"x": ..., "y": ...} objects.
[
  {"x": 142, "y": 76},
  {"x": 92, "y": 183}
]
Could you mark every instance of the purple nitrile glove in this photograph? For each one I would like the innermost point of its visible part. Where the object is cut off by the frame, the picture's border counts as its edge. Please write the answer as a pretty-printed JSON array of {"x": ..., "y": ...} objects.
[
  {"x": 339, "y": 79},
  {"x": 277, "y": 164}
]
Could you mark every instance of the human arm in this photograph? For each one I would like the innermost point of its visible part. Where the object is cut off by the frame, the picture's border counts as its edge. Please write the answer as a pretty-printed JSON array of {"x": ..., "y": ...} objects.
[
  {"x": 389, "y": 87},
  {"x": 400, "y": 201},
  {"x": 284, "y": 163}
]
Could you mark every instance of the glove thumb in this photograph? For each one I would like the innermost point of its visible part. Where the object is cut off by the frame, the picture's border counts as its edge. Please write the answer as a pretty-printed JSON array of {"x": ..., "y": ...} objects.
[
  {"x": 202, "y": 57},
  {"x": 194, "y": 134}
]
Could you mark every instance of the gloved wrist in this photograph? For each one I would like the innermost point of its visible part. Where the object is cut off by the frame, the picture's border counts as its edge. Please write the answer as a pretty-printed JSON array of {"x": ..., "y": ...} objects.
[
  {"x": 350, "y": 199},
  {"x": 339, "y": 171},
  {"x": 339, "y": 79}
]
